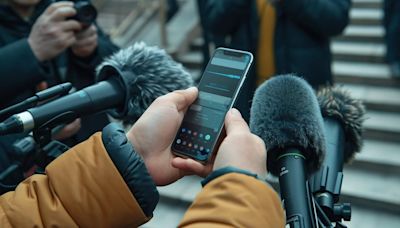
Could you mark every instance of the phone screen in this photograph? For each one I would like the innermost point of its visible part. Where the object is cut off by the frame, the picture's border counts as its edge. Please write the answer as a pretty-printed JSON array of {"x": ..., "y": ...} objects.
[{"x": 218, "y": 89}]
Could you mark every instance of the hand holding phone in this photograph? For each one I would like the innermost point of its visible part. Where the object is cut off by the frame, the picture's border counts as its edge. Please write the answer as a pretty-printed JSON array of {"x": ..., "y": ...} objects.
[
  {"x": 152, "y": 134},
  {"x": 240, "y": 149},
  {"x": 202, "y": 127}
]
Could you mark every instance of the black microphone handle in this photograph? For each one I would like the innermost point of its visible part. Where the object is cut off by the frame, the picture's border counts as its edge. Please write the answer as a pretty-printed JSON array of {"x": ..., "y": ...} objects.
[
  {"x": 57, "y": 90},
  {"x": 103, "y": 95},
  {"x": 326, "y": 183},
  {"x": 295, "y": 190}
]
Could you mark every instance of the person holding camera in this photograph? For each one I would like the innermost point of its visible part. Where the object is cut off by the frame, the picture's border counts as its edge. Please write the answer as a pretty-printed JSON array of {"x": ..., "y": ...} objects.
[
  {"x": 110, "y": 179},
  {"x": 41, "y": 44}
]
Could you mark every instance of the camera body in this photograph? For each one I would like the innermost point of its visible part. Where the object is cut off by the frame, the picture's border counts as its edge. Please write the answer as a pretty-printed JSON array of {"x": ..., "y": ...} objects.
[{"x": 86, "y": 13}]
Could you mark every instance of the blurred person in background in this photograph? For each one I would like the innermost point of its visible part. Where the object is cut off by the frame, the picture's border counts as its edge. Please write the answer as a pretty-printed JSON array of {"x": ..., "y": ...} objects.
[
  {"x": 172, "y": 8},
  {"x": 40, "y": 46},
  {"x": 110, "y": 179},
  {"x": 285, "y": 36},
  {"x": 392, "y": 27}
]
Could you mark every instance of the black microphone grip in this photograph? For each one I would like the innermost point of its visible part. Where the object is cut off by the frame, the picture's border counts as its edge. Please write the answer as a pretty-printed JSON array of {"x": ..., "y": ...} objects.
[
  {"x": 327, "y": 182},
  {"x": 90, "y": 100},
  {"x": 295, "y": 190}
]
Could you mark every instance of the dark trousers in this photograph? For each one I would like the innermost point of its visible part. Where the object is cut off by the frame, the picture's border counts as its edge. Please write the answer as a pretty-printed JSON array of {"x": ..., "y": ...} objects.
[
  {"x": 392, "y": 27},
  {"x": 173, "y": 8}
]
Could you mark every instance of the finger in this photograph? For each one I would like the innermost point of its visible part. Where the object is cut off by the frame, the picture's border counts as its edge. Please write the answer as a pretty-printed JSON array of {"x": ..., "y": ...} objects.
[
  {"x": 41, "y": 86},
  {"x": 74, "y": 126},
  {"x": 70, "y": 39},
  {"x": 235, "y": 123},
  {"x": 182, "y": 98},
  {"x": 83, "y": 43},
  {"x": 78, "y": 123},
  {"x": 87, "y": 32},
  {"x": 70, "y": 25},
  {"x": 49, "y": 10},
  {"x": 62, "y": 13},
  {"x": 190, "y": 166}
]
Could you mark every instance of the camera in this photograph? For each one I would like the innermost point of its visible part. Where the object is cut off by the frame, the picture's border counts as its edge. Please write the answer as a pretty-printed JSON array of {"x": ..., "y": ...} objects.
[{"x": 86, "y": 13}]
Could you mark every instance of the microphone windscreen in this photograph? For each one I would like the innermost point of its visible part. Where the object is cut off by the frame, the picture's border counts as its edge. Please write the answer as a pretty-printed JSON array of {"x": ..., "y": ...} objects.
[
  {"x": 337, "y": 103},
  {"x": 147, "y": 72},
  {"x": 285, "y": 114}
]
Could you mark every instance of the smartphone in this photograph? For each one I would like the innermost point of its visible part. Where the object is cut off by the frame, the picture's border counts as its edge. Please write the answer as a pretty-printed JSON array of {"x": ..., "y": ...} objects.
[{"x": 200, "y": 133}]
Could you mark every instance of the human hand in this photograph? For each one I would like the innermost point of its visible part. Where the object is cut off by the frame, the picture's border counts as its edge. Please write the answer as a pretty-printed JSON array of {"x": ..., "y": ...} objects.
[
  {"x": 240, "y": 149},
  {"x": 68, "y": 130},
  {"x": 152, "y": 135},
  {"x": 86, "y": 42},
  {"x": 52, "y": 33},
  {"x": 42, "y": 86}
]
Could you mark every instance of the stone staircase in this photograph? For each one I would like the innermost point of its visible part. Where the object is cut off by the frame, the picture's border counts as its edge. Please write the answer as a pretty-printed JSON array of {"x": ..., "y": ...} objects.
[
  {"x": 130, "y": 21},
  {"x": 372, "y": 181}
]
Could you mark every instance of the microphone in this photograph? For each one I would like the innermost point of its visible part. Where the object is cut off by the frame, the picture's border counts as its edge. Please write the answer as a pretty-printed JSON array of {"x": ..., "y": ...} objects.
[
  {"x": 337, "y": 103},
  {"x": 286, "y": 115},
  {"x": 128, "y": 82},
  {"x": 52, "y": 92},
  {"x": 343, "y": 118}
]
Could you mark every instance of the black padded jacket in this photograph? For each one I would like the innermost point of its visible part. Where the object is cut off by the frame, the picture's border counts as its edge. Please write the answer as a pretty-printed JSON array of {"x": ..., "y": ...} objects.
[{"x": 131, "y": 167}]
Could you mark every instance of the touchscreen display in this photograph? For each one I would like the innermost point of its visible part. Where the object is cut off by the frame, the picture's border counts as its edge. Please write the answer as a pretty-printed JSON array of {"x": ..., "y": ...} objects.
[{"x": 204, "y": 119}]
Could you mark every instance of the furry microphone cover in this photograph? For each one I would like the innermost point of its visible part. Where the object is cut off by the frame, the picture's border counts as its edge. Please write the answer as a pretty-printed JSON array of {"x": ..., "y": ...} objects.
[
  {"x": 147, "y": 72},
  {"x": 335, "y": 102},
  {"x": 285, "y": 114}
]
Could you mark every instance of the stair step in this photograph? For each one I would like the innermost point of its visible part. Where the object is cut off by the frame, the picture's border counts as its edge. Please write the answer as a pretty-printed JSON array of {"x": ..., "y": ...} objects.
[
  {"x": 168, "y": 213},
  {"x": 359, "y": 52},
  {"x": 382, "y": 126},
  {"x": 379, "y": 156},
  {"x": 192, "y": 59},
  {"x": 378, "y": 190},
  {"x": 112, "y": 13},
  {"x": 376, "y": 98},
  {"x": 370, "y": 4},
  {"x": 132, "y": 32},
  {"x": 366, "y": 16},
  {"x": 107, "y": 21},
  {"x": 181, "y": 30},
  {"x": 366, "y": 69},
  {"x": 363, "y": 73},
  {"x": 372, "y": 218},
  {"x": 363, "y": 33},
  {"x": 367, "y": 188},
  {"x": 185, "y": 189},
  {"x": 197, "y": 44}
]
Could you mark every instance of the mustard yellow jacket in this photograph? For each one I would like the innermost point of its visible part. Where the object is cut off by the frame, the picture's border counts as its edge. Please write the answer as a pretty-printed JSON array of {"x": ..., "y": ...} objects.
[{"x": 83, "y": 188}]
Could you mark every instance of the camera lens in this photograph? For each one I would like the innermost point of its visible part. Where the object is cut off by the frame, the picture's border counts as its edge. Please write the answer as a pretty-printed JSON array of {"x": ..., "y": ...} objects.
[{"x": 85, "y": 12}]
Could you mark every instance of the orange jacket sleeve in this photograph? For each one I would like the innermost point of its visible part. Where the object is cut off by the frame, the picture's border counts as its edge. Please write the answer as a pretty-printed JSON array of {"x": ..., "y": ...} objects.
[
  {"x": 235, "y": 200},
  {"x": 81, "y": 188}
]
